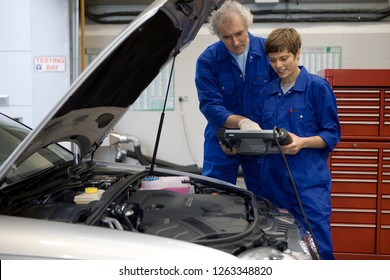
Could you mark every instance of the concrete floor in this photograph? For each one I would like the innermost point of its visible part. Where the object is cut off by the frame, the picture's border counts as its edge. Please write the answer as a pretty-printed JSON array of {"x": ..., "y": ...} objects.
[{"x": 240, "y": 182}]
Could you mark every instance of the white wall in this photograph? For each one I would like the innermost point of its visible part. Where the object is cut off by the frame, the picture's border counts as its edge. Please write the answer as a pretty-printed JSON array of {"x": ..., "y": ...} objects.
[
  {"x": 30, "y": 29},
  {"x": 364, "y": 45}
]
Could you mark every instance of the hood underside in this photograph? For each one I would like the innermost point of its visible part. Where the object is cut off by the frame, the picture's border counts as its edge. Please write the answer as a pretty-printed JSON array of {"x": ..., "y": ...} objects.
[{"x": 98, "y": 99}]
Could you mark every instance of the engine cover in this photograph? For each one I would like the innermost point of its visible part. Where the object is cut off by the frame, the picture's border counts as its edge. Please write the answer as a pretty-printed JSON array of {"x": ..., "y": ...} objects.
[{"x": 190, "y": 217}]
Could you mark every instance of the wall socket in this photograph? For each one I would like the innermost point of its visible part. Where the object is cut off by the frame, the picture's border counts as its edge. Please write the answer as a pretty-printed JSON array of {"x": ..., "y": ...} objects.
[{"x": 183, "y": 98}]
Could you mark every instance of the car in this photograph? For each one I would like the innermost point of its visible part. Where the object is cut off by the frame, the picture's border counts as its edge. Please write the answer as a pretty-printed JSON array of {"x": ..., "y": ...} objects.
[{"x": 58, "y": 202}]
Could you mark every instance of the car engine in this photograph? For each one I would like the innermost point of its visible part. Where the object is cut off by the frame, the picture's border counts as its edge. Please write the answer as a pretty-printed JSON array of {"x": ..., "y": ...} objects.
[{"x": 222, "y": 217}]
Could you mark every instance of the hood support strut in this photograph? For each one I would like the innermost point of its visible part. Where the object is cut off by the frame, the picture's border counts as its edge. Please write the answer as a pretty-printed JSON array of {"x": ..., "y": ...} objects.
[{"x": 175, "y": 53}]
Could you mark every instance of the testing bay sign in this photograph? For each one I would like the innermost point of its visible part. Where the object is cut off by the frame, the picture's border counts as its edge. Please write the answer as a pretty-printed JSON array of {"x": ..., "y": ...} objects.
[{"x": 49, "y": 63}]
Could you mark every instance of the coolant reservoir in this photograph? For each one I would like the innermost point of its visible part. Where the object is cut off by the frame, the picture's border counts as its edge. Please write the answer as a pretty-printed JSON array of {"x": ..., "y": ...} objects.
[
  {"x": 89, "y": 194},
  {"x": 173, "y": 183}
]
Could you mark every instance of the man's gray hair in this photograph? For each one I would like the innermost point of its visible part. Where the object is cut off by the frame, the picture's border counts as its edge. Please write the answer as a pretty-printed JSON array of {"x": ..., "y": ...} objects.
[{"x": 224, "y": 12}]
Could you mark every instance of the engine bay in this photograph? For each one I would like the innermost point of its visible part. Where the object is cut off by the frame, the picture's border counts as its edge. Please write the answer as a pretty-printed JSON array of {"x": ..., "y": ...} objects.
[{"x": 179, "y": 207}]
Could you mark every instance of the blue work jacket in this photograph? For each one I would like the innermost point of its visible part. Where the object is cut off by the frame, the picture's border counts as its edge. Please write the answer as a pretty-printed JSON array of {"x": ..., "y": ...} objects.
[
  {"x": 223, "y": 91},
  {"x": 308, "y": 109}
]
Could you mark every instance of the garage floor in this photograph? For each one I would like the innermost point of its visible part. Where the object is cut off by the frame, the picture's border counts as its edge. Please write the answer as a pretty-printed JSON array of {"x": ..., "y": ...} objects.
[{"x": 240, "y": 182}]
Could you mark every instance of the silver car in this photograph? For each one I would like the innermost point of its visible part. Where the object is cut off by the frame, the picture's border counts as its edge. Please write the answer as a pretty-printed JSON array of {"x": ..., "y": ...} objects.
[{"x": 58, "y": 204}]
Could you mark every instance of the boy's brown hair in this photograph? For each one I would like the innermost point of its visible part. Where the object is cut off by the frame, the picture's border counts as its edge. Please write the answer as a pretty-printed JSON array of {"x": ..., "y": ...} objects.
[{"x": 283, "y": 39}]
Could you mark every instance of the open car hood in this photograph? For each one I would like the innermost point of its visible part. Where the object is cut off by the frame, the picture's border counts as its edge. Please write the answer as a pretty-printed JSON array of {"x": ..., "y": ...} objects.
[{"x": 98, "y": 99}]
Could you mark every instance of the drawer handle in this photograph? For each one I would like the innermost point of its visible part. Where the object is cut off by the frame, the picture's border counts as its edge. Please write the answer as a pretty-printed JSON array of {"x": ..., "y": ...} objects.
[
  {"x": 358, "y": 115},
  {"x": 354, "y": 210},
  {"x": 356, "y": 164},
  {"x": 353, "y": 195},
  {"x": 354, "y": 172},
  {"x": 356, "y": 91},
  {"x": 357, "y": 122},
  {"x": 356, "y": 99},
  {"x": 360, "y": 107},
  {"x": 355, "y": 150},
  {"x": 355, "y": 157},
  {"x": 354, "y": 225},
  {"x": 354, "y": 180}
]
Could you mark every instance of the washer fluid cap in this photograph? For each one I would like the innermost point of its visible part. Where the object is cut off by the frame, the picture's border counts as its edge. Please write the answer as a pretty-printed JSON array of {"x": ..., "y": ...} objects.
[{"x": 91, "y": 190}]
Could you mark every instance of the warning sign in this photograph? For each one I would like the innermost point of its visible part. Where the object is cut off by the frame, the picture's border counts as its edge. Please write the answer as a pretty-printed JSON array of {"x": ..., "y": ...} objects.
[{"x": 49, "y": 63}]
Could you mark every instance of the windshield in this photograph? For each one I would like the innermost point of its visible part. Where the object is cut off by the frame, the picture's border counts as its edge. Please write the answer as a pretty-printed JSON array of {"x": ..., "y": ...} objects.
[{"x": 12, "y": 134}]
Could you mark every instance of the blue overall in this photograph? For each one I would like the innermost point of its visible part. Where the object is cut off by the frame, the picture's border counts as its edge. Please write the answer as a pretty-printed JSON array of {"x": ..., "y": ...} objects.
[
  {"x": 222, "y": 91},
  {"x": 308, "y": 109}
]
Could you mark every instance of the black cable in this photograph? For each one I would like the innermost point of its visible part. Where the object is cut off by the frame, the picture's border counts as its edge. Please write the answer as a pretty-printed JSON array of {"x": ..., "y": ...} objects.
[{"x": 275, "y": 132}]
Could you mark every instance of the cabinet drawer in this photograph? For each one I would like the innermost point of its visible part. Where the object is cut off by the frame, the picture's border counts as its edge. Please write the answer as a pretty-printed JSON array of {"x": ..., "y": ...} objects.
[
  {"x": 353, "y": 186},
  {"x": 386, "y": 117},
  {"x": 359, "y": 128},
  {"x": 358, "y": 111},
  {"x": 384, "y": 245},
  {"x": 385, "y": 186},
  {"x": 353, "y": 238},
  {"x": 385, "y": 217},
  {"x": 354, "y": 201},
  {"x": 353, "y": 216},
  {"x": 385, "y": 202},
  {"x": 354, "y": 168}
]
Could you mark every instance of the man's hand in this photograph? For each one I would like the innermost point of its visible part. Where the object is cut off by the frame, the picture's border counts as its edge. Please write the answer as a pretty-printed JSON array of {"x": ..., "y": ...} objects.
[
  {"x": 228, "y": 150},
  {"x": 247, "y": 124}
]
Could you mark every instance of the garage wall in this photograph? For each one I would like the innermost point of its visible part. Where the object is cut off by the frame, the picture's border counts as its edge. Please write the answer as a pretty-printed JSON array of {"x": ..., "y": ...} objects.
[
  {"x": 363, "y": 46},
  {"x": 32, "y": 29},
  {"x": 40, "y": 28}
]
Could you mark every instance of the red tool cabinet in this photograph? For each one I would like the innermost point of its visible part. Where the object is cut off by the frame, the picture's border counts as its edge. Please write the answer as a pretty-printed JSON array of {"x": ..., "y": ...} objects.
[{"x": 360, "y": 164}]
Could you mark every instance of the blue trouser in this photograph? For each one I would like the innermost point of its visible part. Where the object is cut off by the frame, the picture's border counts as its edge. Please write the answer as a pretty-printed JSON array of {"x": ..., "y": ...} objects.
[
  {"x": 218, "y": 165},
  {"x": 313, "y": 184}
]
